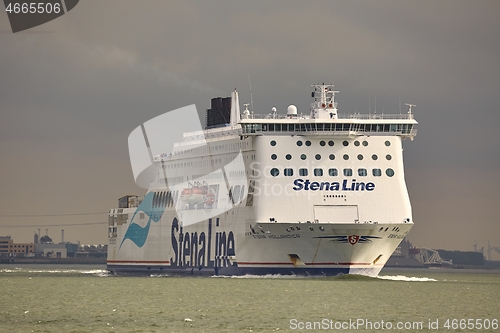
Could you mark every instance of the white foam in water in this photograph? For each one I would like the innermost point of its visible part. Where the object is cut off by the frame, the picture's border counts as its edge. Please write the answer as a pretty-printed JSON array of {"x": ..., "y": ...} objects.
[
  {"x": 98, "y": 272},
  {"x": 405, "y": 278}
]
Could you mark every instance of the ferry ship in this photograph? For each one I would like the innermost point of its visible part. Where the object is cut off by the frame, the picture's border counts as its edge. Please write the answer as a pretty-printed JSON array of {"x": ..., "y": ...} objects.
[{"x": 302, "y": 193}]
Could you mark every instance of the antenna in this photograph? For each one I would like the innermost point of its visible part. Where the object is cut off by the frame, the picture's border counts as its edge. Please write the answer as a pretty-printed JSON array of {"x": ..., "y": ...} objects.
[
  {"x": 251, "y": 94},
  {"x": 409, "y": 107}
]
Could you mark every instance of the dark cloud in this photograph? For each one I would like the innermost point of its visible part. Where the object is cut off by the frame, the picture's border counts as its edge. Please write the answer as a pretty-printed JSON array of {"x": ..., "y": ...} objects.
[{"x": 70, "y": 96}]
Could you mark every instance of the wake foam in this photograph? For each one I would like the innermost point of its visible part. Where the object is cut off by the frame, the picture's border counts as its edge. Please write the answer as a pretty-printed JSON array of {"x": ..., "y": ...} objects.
[{"x": 405, "y": 278}]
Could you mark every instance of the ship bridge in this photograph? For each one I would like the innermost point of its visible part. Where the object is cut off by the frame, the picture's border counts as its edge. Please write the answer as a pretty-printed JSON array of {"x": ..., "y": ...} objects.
[{"x": 324, "y": 120}]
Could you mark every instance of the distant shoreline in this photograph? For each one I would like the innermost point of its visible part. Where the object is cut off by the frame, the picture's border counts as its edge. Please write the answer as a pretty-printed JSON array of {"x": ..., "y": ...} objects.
[{"x": 63, "y": 261}]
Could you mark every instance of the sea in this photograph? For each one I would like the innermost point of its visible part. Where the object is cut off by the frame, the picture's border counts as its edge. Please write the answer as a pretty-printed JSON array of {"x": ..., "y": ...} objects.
[{"x": 85, "y": 298}]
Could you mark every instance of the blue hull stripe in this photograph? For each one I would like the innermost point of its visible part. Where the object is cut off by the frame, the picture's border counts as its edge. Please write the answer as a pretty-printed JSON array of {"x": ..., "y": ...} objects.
[{"x": 234, "y": 270}]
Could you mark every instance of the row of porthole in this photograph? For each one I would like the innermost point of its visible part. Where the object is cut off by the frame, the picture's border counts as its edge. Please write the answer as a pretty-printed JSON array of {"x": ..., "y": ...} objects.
[
  {"x": 331, "y": 143},
  {"x": 331, "y": 157},
  {"x": 332, "y": 172}
]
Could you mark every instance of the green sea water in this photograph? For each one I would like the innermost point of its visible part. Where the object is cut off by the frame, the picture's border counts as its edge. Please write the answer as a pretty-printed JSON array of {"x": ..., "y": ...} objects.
[{"x": 80, "y": 298}]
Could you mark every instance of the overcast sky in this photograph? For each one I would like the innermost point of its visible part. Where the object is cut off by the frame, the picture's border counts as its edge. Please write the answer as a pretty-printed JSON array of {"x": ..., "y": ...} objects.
[{"x": 73, "y": 89}]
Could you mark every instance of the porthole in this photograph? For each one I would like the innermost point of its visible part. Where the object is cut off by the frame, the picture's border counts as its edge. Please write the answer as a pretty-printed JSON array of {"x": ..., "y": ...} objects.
[
  {"x": 365, "y": 143},
  {"x": 374, "y": 157},
  {"x": 332, "y": 157},
  {"x": 318, "y": 172},
  {"x": 288, "y": 157},
  {"x": 303, "y": 156},
  {"x": 308, "y": 143},
  {"x": 345, "y": 143},
  {"x": 388, "y": 157},
  {"x": 303, "y": 172},
  {"x": 346, "y": 157},
  {"x": 360, "y": 157},
  {"x": 322, "y": 143},
  {"x": 318, "y": 157},
  {"x": 299, "y": 143},
  {"x": 387, "y": 143},
  {"x": 333, "y": 172},
  {"x": 377, "y": 172},
  {"x": 356, "y": 143},
  {"x": 348, "y": 172},
  {"x": 273, "y": 143},
  {"x": 389, "y": 172},
  {"x": 274, "y": 156},
  {"x": 275, "y": 172},
  {"x": 330, "y": 143}
]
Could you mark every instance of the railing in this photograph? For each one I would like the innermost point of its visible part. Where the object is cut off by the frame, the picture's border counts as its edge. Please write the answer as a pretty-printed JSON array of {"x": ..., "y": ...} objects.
[{"x": 340, "y": 116}]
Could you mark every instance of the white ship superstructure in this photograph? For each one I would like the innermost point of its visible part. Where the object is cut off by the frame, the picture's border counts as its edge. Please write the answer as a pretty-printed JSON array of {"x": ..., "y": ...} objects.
[{"x": 316, "y": 194}]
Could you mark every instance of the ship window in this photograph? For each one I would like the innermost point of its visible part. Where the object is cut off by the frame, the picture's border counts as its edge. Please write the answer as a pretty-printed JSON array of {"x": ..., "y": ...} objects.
[
  {"x": 362, "y": 172},
  {"x": 271, "y": 127},
  {"x": 332, "y": 157},
  {"x": 299, "y": 143},
  {"x": 377, "y": 172},
  {"x": 274, "y": 156},
  {"x": 322, "y": 143},
  {"x": 333, "y": 172},
  {"x": 154, "y": 200},
  {"x": 330, "y": 143},
  {"x": 365, "y": 143},
  {"x": 389, "y": 172},
  {"x": 327, "y": 127},
  {"x": 217, "y": 222},
  {"x": 346, "y": 157},
  {"x": 374, "y": 157},
  {"x": 170, "y": 199},
  {"x": 236, "y": 194},
  {"x": 348, "y": 172},
  {"x": 303, "y": 156},
  {"x": 303, "y": 172},
  {"x": 318, "y": 157},
  {"x": 356, "y": 143},
  {"x": 274, "y": 172},
  {"x": 273, "y": 143},
  {"x": 389, "y": 157},
  {"x": 345, "y": 143},
  {"x": 288, "y": 172},
  {"x": 288, "y": 157},
  {"x": 360, "y": 157},
  {"x": 387, "y": 143},
  {"x": 318, "y": 172},
  {"x": 308, "y": 143}
]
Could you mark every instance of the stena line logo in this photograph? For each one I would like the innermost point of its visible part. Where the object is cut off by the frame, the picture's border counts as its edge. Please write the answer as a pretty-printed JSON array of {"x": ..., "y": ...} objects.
[
  {"x": 353, "y": 185},
  {"x": 24, "y": 14}
]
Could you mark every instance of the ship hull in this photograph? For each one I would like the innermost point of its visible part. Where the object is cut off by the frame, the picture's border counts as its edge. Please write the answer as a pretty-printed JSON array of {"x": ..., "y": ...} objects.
[{"x": 223, "y": 246}]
